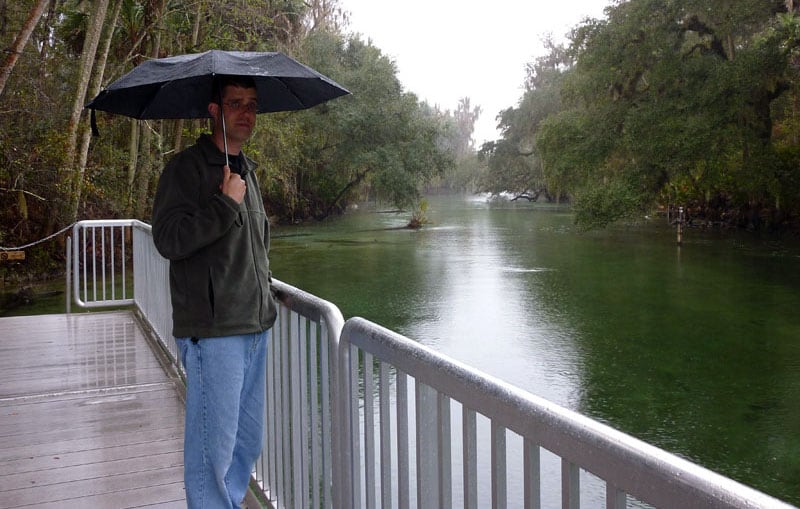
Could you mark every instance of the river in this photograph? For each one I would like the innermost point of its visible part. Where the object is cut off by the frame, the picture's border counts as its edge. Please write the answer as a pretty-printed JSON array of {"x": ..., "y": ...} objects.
[{"x": 693, "y": 348}]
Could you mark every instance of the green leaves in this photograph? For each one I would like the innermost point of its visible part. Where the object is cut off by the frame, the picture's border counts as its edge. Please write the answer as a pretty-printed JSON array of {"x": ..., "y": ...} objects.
[
  {"x": 601, "y": 204},
  {"x": 380, "y": 140},
  {"x": 692, "y": 94}
]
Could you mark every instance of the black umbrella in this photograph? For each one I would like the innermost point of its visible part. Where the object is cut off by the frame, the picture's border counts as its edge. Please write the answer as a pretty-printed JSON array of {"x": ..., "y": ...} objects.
[{"x": 181, "y": 86}]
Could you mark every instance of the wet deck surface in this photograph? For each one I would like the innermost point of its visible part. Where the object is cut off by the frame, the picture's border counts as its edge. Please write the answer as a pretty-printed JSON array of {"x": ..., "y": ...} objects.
[{"x": 88, "y": 416}]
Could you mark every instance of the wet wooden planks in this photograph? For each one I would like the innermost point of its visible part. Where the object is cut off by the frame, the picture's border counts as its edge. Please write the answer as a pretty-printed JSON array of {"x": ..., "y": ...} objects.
[{"x": 88, "y": 417}]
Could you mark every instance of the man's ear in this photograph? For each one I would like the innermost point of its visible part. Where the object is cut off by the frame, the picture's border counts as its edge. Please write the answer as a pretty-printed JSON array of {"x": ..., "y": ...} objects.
[{"x": 213, "y": 109}]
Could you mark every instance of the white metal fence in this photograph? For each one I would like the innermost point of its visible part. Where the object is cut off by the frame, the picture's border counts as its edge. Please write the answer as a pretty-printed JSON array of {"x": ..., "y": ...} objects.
[
  {"x": 359, "y": 416},
  {"x": 295, "y": 468},
  {"x": 397, "y": 402}
]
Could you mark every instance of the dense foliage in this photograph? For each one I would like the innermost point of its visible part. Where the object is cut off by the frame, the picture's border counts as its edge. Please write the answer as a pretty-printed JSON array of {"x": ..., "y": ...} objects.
[
  {"x": 678, "y": 102},
  {"x": 691, "y": 103},
  {"x": 380, "y": 142}
]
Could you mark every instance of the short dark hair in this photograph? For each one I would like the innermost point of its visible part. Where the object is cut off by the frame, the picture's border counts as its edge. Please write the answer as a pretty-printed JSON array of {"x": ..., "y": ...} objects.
[{"x": 225, "y": 80}]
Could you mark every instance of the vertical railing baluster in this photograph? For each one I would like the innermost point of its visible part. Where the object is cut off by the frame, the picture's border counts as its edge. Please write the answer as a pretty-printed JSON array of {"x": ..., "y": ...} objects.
[
  {"x": 403, "y": 484},
  {"x": 113, "y": 266},
  {"x": 277, "y": 416},
  {"x": 369, "y": 432},
  {"x": 427, "y": 430},
  {"x": 470, "y": 457},
  {"x": 328, "y": 448},
  {"x": 531, "y": 474},
  {"x": 103, "y": 261},
  {"x": 94, "y": 263},
  {"x": 124, "y": 262},
  {"x": 315, "y": 428},
  {"x": 355, "y": 438},
  {"x": 385, "y": 435},
  {"x": 615, "y": 498},
  {"x": 284, "y": 455},
  {"x": 294, "y": 496},
  {"x": 295, "y": 414},
  {"x": 268, "y": 453},
  {"x": 570, "y": 485},
  {"x": 499, "y": 488},
  {"x": 83, "y": 264},
  {"x": 444, "y": 447}
]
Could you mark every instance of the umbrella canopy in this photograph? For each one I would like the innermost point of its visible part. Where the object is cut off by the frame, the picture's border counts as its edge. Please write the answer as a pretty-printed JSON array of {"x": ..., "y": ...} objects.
[{"x": 181, "y": 86}]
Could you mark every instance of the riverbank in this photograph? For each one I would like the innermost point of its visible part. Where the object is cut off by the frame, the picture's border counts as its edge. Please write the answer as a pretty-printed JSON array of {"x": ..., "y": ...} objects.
[{"x": 32, "y": 298}]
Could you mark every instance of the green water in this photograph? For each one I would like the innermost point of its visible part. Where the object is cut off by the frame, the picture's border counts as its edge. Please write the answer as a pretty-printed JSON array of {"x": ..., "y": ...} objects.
[{"x": 695, "y": 349}]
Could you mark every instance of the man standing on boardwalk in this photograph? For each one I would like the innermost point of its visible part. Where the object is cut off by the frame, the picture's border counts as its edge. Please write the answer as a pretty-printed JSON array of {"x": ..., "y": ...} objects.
[{"x": 209, "y": 221}]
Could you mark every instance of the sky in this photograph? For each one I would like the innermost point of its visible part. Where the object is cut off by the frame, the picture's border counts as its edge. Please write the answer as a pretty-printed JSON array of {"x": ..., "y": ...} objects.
[{"x": 449, "y": 49}]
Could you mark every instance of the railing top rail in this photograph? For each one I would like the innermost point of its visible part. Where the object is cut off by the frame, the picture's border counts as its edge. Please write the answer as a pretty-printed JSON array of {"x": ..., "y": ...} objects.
[
  {"x": 110, "y": 222},
  {"x": 646, "y": 472},
  {"x": 309, "y": 305}
]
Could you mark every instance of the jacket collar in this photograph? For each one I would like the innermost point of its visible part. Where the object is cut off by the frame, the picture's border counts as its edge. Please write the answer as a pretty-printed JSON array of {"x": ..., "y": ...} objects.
[{"x": 215, "y": 157}]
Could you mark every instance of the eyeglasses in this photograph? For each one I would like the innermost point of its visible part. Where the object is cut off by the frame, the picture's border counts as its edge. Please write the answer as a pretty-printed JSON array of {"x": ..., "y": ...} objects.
[{"x": 251, "y": 107}]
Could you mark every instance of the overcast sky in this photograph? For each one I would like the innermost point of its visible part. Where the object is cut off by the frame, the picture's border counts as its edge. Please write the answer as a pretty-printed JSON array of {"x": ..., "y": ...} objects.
[{"x": 449, "y": 49}]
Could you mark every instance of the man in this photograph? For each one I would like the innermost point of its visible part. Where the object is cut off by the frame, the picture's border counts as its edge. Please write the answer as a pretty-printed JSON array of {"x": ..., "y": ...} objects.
[{"x": 209, "y": 221}]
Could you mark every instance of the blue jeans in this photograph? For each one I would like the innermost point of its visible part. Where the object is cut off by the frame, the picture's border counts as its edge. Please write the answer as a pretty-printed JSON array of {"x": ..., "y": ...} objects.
[{"x": 226, "y": 379}]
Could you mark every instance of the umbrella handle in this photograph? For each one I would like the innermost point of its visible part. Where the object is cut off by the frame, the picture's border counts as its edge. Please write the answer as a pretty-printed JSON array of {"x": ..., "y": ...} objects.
[
  {"x": 224, "y": 134},
  {"x": 224, "y": 131}
]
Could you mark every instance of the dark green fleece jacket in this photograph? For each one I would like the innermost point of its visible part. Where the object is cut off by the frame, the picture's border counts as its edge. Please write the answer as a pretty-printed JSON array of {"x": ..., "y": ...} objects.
[{"x": 219, "y": 271}]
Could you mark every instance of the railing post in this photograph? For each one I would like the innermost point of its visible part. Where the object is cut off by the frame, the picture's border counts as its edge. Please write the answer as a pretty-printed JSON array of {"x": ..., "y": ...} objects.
[
  {"x": 427, "y": 450},
  {"x": 342, "y": 465},
  {"x": 499, "y": 480},
  {"x": 570, "y": 485},
  {"x": 68, "y": 297}
]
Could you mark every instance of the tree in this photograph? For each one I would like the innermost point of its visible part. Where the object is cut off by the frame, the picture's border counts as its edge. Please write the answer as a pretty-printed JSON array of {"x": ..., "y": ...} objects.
[
  {"x": 98, "y": 71},
  {"x": 70, "y": 175},
  {"x": 458, "y": 128},
  {"x": 672, "y": 95},
  {"x": 465, "y": 117},
  {"x": 514, "y": 163},
  {"x": 20, "y": 42},
  {"x": 380, "y": 138}
]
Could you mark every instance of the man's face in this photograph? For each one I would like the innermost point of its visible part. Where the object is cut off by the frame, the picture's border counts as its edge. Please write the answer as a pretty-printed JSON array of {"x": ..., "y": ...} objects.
[{"x": 239, "y": 107}]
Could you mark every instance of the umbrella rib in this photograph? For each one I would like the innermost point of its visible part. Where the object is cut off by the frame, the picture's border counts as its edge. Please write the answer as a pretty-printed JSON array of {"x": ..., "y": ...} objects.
[{"x": 291, "y": 92}]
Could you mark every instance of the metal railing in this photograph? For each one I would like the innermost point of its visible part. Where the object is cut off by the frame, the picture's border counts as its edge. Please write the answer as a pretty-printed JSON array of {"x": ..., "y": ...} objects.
[
  {"x": 296, "y": 465},
  {"x": 101, "y": 263},
  {"x": 295, "y": 468},
  {"x": 359, "y": 416},
  {"x": 407, "y": 402}
]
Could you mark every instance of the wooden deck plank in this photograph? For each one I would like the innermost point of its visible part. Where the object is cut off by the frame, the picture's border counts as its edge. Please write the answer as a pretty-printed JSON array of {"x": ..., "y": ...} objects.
[
  {"x": 88, "y": 416},
  {"x": 87, "y": 443},
  {"x": 56, "y": 353},
  {"x": 49, "y": 465},
  {"x": 104, "y": 484},
  {"x": 92, "y": 470},
  {"x": 163, "y": 495},
  {"x": 132, "y": 410}
]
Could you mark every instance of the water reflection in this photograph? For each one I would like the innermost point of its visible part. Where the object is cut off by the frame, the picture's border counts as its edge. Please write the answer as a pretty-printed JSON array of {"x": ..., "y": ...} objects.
[{"x": 483, "y": 306}]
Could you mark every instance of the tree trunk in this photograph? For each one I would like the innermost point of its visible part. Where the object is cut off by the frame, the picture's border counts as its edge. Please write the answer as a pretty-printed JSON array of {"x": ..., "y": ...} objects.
[
  {"x": 147, "y": 166},
  {"x": 178, "y": 143},
  {"x": 350, "y": 185},
  {"x": 94, "y": 89},
  {"x": 92, "y": 40},
  {"x": 133, "y": 162},
  {"x": 20, "y": 42},
  {"x": 196, "y": 28}
]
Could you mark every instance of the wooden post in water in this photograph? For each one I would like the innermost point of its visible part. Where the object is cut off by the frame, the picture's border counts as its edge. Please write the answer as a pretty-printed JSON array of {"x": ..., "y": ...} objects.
[{"x": 680, "y": 225}]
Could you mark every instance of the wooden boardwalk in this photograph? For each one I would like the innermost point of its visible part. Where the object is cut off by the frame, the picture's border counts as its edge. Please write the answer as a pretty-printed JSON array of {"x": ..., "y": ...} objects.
[{"x": 89, "y": 418}]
